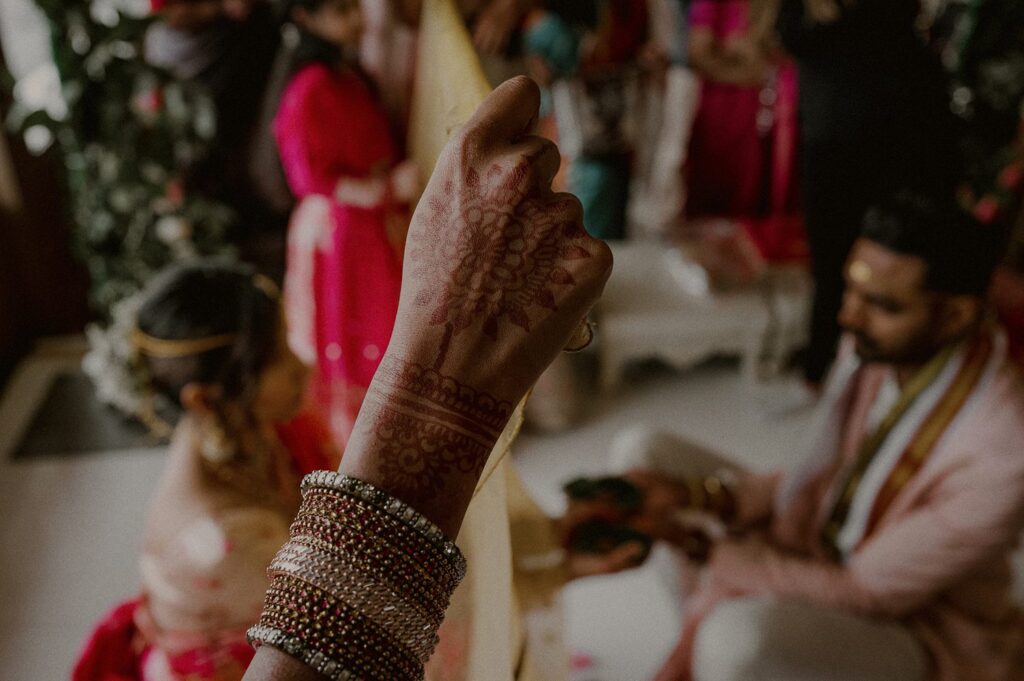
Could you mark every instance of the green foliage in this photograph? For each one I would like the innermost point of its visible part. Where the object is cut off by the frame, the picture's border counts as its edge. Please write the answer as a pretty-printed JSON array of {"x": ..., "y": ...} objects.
[{"x": 127, "y": 133}]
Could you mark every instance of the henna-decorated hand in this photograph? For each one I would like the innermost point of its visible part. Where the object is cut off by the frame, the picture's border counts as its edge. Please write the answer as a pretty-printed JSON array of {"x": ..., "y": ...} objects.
[{"x": 498, "y": 274}]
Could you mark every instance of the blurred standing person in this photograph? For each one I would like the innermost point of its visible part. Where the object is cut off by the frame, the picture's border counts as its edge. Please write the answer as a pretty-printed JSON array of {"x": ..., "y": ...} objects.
[
  {"x": 496, "y": 30},
  {"x": 347, "y": 233},
  {"x": 981, "y": 45},
  {"x": 873, "y": 118},
  {"x": 228, "y": 46},
  {"x": 743, "y": 147},
  {"x": 670, "y": 94},
  {"x": 588, "y": 54}
]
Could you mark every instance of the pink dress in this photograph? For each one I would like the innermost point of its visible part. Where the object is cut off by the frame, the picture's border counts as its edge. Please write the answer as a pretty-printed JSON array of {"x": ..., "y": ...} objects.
[
  {"x": 343, "y": 273},
  {"x": 743, "y": 147}
]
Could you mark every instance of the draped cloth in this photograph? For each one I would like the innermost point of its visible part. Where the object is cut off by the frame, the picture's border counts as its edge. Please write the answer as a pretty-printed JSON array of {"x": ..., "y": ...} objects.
[{"x": 509, "y": 543}]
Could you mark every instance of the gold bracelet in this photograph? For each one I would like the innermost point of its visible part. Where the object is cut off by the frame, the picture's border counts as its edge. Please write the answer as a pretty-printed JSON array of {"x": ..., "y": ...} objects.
[{"x": 698, "y": 497}]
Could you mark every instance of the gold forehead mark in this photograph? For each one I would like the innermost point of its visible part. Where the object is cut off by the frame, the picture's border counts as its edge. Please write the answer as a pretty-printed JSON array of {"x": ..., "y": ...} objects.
[{"x": 860, "y": 272}]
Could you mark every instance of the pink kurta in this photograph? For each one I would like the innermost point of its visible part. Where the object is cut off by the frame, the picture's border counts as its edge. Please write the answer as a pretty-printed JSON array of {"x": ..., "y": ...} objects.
[
  {"x": 742, "y": 157},
  {"x": 938, "y": 559},
  {"x": 343, "y": 273}
]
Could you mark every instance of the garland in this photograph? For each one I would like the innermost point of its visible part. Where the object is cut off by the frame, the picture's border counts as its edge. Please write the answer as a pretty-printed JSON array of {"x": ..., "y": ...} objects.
[{"x": 126, "y": 132}]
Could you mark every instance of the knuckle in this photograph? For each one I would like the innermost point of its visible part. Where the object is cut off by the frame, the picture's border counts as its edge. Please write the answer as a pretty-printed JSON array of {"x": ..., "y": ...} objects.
[
  {"x": 467, "y": 141},
  {"x": 569, "y": 207}
]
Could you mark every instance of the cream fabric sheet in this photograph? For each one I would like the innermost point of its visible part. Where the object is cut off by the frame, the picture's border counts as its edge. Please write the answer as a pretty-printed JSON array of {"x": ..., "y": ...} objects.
[{"x": 508, "y": 541}]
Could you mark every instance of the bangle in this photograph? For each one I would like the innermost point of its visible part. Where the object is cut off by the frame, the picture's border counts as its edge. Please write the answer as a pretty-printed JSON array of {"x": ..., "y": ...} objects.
[
  {"x": 395, "y": 508},
  {"x": 361, "y": 587},
  {"x": 697, "y": 496},
  {"x": 720, "y": 498}
]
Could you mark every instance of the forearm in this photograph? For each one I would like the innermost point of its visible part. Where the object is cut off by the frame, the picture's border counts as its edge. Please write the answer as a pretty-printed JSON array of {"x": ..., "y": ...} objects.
[
  {"x": 370, "y": 566},
  {"x": 717, "y": 65},
  {"x": 270, "y": 664},
  {"x": 756, "y": 569}
]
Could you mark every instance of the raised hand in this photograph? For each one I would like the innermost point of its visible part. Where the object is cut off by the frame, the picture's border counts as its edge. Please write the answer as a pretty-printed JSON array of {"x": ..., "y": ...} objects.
[{"x": 498, "y": 274}]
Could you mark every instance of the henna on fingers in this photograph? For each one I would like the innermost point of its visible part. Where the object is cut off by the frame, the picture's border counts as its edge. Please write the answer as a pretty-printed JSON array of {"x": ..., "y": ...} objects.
[{"x": 507, "y": 262}]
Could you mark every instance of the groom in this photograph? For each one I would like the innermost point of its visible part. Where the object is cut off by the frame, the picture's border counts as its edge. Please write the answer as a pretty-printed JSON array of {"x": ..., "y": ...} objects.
[{"x": 888, "y": 555}]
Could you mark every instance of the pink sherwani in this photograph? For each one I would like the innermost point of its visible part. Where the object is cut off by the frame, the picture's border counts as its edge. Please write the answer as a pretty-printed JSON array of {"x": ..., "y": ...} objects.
[{"x": 938, "y": 559}]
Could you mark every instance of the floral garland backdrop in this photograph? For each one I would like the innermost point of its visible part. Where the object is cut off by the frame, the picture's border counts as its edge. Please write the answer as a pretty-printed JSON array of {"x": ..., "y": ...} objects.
[{"x": 126, "y": 133}]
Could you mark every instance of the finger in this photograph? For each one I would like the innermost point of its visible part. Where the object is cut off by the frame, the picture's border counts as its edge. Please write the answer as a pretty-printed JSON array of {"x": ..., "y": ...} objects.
[
  {"x": 566, "y": 208},
  {"x": 542, "y": 159},
  {"x": 507, "y": 114},
  {"x": 624, "y": 557}
]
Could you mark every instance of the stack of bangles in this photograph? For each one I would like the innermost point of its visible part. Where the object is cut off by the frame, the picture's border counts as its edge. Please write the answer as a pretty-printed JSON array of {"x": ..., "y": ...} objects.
[
  {"x": 711, "y": 494},
  {"x": 361, "y": 587}
]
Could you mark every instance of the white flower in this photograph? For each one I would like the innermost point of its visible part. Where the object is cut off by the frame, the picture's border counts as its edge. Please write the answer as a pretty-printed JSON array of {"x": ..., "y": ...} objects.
[
  {"x": 111, "y": 358},
  {"x": 121, "y": 200},
  {"x": 38, "y": 139},
  {"x": 40, "y": 90},
  {"x": 107, "y": 12},
  {"x": 172, "y": 229}
]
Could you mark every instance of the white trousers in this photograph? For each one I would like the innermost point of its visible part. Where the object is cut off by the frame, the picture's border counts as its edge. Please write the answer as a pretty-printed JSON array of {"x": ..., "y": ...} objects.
[{"x": 763, "y": 639}]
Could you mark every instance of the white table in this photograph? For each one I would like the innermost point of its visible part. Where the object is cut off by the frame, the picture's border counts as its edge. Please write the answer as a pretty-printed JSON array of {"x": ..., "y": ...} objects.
[{"x": 654, "y": 308}]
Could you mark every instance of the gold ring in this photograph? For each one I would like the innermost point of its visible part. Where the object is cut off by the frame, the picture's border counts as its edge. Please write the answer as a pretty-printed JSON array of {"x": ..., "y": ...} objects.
[{"x": 581, "y": 338}]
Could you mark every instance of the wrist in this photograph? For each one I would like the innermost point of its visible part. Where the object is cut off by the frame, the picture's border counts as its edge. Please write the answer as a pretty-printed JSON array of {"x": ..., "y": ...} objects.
[
  {"x": 711, "y": 494},
  {"x": 424, "y": 437}
]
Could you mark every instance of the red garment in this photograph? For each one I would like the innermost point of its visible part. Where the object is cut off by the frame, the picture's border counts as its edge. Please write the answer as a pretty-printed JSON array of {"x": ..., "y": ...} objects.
[
  {"x": 343, "y": 274},
  {"x": 1008, "y": 296},
  {"x": 742, "y": 157},
  {"x": 309, "y": 442},
  {"x": 111, "y": 653}
]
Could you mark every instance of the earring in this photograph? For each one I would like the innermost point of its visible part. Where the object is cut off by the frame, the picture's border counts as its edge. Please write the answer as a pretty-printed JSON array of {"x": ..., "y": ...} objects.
[{"x": 216, "y": 446}]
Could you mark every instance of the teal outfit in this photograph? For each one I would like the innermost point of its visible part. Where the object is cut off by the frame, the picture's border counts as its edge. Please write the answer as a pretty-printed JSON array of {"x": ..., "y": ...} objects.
[{"x": 599, "y": 175}]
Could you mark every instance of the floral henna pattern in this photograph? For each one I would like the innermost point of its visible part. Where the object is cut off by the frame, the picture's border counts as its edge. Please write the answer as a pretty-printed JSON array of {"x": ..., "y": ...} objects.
[
  {"x": 507, "y": 258},
  {"x": 430, "y": 427},
  {"x": 418, "y": 455},
  {"x": 447, "y": 393}
]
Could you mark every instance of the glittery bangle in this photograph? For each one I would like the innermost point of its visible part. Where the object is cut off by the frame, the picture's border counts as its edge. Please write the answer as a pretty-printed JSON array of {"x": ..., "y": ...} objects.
[
  {"x": 433, "y": 599},
  {"x": 330, "y": 626},
  {"x": 361, "y": 588},
  {"x": 358, "y": 530},
  {"x": 390, "y": 505},
  {"x": 376, "y": 600},
  {"x": 340, "y": 511}
]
